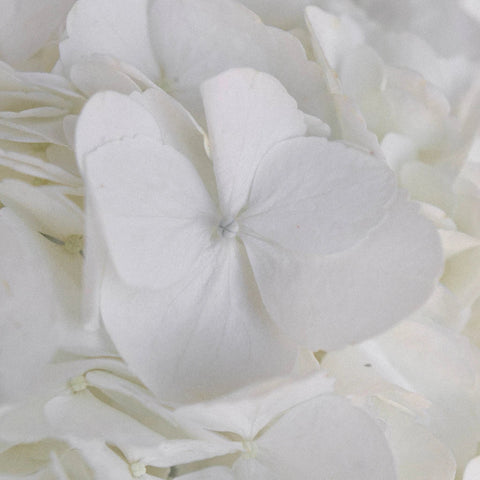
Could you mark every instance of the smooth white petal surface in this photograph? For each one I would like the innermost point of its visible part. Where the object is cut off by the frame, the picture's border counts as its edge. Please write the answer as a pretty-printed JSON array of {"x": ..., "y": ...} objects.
[
  {"x": 182, "y": 451},
  {"x": 27, "y": 25},
  {"x": 44, "y": 208},
  {"x": 190, "y": 50},
  {"x": 247, "y": 411},
  {"x": 247, "y": 113},
  {"x": 346, "y": 119},
  {"x": 446, "y": 383},
  {"x": 472, "y": 472},
  {"x": 154, "y": 211},
  {"x": 213, "y": 473},
  {"x": 340, "y": 299},
  {"x": 28, "y": 306},
  {"x": 119, "y": 30},
  {"x": 83, "y": 416},
  {"x": 334, "y": 35},
  {"x": 33, "y": 166},
  {"x": 205, "y": 336},
  {"x": 179, "y": 130},
  {"x": 441, "y": 22},
  {"x": 418, "y": 454},
  {"x": 110, "y": 116},
  {"x": 101, "y": 72},
  {"x": 317, "y": 197},
  {"x": 325, "y": 438}
]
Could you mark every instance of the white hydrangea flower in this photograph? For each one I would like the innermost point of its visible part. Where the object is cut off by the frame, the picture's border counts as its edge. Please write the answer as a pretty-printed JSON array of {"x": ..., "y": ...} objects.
[
  {"x": 278, "y": 212},
  {"x": 294, "y": 428}
]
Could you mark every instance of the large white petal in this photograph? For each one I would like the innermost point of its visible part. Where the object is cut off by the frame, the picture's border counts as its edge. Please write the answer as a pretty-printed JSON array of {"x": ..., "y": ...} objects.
[
  {"x": 190, "y": 50},
  {"x": 324, "y": 438},
  {"x": 418, "y": 454},
  {"x": 154, "y": 211},
  {"x": 119, "y": 29},
  {"x": 179, "y": 130},
  {"x": 327, "y": 302},
  {"x": 317, "y": 197},
  {"x": 110, "y": 116},
  {"x": 247, "y": 113},
  {"x": 207, "y": 335}
]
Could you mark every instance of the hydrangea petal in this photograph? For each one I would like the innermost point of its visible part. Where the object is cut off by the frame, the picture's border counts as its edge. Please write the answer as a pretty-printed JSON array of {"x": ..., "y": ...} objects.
[
  {"x": 317, "y": 197},
  {"x": 325, "y": 438},
  {"x": 203, "y": 337},
  {"x": 340, "y": 299},
  {"x": 191, "y": 51},
  {"x": 82, "y": 415},
  {"x": 335, "y": 35},
  {"x": 110, "y": 116},
  {"x": 121, "y": 31},
  {"x": 179, "y": 130},
  {"x": 44, "y": 208},
  {"x": 247, "y": 113},
  {"x": 247, "y": 411},
  {"x": 418, "y": 454},
  {"x": 154, "y": 211}
]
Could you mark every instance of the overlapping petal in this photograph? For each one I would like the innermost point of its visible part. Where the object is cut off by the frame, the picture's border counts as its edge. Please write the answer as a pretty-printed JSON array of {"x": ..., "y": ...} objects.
[
  {"x": 172, "y": 42},
  {"x": 357, "y": 293},
  {"x": 171, "y": 213},
  {"x": 205, "y": 336},
  {"x": 317, "y": 197},
  {"x": 264, "y": 115},
  {"x": 315, "y": 216}
]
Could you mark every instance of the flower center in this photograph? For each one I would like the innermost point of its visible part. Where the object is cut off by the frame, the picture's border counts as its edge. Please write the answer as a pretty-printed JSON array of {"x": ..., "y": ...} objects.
[
  {"x": 138, "y": 469},
  {"x": 74, "y": 244},
  {"x": 77, "y": 384},
  {"x": 250, "y": 450},
  {"x": 228, "y": 227}
]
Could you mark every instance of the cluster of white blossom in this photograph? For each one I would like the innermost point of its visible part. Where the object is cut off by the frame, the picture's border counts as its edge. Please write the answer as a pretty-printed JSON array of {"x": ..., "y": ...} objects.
[{"x": 240, "y": 239}]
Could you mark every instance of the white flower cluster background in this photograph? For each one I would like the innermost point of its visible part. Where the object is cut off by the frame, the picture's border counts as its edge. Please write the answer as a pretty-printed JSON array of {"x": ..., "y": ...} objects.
[{"x": 240, "y": 239}]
